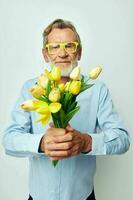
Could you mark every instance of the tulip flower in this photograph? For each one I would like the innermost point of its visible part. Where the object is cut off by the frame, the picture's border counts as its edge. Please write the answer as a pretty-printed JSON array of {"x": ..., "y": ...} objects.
[
  {"x": 41, "y": 108},
  {"x": 94, "y": 73},
  {"x": 67, "y": 86},
  {"x": 75, "y": 74},
  {"x": 54, "y": 75},
  {"x": 37, "y": 91},
  {"x": 43, "y": 81},
  {"x": 61, "y": 87},
  {"x": 74, "y": 87},
  {"x": 28, "y": 105},
  {"x": 45, "y": 110},
  {"x": 54, "y": 95}
]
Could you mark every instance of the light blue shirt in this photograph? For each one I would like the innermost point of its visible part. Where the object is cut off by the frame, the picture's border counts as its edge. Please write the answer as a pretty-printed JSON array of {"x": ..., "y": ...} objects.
[{"x": 72, "y": 179}]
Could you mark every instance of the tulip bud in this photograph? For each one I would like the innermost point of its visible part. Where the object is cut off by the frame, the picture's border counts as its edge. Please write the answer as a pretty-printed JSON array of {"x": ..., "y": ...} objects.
[
  {"x": 61, "y": 87},
  {"x": 37, "y": 91},
  {"x": 54, "y": 95},
  {"x": 67, "y": 86},
  {"x": 75, "y": 74},
  {"x": 28, "y": 105},
  {"x": 56, "y": 73},
  {"x": 75, "y": 87},
  {"x": 94, "y": 73},
  {"x": 43, "y": 81}
]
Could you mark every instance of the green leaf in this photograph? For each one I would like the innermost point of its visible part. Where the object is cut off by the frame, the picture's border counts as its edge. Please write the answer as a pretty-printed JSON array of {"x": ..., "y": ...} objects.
[
  {"x": 72, "y": 106},
  {"x": 55, "y": 120},
  {"x": 82, "y": 78},
  {"x": 48, "y": 88},
  {"x": 66, "y": 100},
  {"x": 62, "y": 117},
  {"x": 85, "y": 87},
  {"x": 71, "y": 114},
  {"x": 44, "y": 98}
]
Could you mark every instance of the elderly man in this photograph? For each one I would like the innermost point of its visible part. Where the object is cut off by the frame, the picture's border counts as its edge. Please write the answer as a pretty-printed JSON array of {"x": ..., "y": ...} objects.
[{"x": 77, "y": 145}]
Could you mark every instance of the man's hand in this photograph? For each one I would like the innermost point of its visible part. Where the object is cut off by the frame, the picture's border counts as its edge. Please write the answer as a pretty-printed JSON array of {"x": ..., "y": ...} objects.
[{"x": 60, "y": 143}]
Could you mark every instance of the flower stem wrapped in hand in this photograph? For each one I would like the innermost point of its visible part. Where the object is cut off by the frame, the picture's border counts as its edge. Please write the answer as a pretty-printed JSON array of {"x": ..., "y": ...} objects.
[{"x": 58, "y": 100}]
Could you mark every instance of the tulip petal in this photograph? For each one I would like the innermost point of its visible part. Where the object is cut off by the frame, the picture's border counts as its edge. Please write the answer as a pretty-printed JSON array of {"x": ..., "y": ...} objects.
[
  {"x": 54, "y": 107},
  {"x": 43, "y": 110},
  {"x": 48, "y": 74},
  {"x": 37, "y": 104},
  {"x": 28, "y": 105},
  {"x": 44, "y": 119}
]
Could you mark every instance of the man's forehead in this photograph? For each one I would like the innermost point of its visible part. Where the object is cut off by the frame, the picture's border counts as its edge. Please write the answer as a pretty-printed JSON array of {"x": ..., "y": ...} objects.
[{"x": 61, "y": 35}]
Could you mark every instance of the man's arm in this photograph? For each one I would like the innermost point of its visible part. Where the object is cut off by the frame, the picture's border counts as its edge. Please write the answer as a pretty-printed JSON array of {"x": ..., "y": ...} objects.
[
  {"x": 113, "y": 138},
  {"x": 18, "y": 139}
]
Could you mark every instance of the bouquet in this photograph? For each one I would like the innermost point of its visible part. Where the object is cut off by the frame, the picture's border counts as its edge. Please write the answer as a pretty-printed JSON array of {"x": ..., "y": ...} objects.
[{"x": 56, "y": 99}]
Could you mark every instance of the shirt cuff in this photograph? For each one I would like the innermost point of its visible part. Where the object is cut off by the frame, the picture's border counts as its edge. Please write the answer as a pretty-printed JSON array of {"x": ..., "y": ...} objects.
[{"x": 98, "y": 145}]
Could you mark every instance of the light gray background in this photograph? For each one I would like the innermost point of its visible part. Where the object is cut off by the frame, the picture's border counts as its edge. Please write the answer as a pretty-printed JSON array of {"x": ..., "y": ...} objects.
[{"x": 106, "y": 33}]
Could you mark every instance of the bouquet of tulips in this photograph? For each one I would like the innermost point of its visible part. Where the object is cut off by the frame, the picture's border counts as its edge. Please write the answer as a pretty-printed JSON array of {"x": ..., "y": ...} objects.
[{"x": 56, "y": 99}]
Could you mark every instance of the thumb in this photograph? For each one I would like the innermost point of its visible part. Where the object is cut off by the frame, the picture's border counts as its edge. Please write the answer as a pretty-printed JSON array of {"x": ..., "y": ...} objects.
[
  {"x": 69, "y": 128},
  {"x": 51, "y": 124}
]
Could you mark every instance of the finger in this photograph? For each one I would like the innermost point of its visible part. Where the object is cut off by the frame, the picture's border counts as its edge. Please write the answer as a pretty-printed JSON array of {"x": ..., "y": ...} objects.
[
  {"x": 57, "y": 131},
  {"x": 69, "y": 128},
  {"x": 59, "y": 146},
  {"x": 63, "y": 138},
  {"x": 60, "y": 153},
  {"x": 57, "y": 158}
]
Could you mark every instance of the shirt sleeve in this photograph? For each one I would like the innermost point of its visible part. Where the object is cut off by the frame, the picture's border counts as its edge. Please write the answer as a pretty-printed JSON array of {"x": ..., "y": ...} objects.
[
  {"x": 18, "y": 139},
  {"x": 113, "y": 138}
]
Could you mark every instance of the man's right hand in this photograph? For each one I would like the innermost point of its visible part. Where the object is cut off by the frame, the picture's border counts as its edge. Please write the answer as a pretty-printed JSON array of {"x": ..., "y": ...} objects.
[{"x": 50, "y": 138}]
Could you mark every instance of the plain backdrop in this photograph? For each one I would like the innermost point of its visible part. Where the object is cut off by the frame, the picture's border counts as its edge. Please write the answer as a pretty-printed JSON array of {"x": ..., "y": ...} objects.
[{"x": 106, "y": 32}]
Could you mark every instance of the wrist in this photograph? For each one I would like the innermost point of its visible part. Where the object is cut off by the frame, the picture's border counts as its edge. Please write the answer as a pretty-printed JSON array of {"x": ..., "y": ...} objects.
[
  {"x": 87, "y": 147},
  {"x": 41, "y": 146}
]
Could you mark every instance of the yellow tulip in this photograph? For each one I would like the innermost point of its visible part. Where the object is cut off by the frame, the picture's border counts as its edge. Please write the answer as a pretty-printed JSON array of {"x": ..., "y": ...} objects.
[
  {"x": 37, "y": 91},
  {"x": 45, "y": 111},
  {"x": 54, "y": 95},
  {"x": 75, "y": 87},
  {"x": 67, "y": 86},
  {"x": 94, "y": 73},
  {"x": 48, "y": 74},
  {"x": 43, "y": 81},
  {"x": 41, "y": 108},
  {"x": 61, "y": 87},
  {"x": 75, "y": 74},
  {"x": 56, "y": 73},
  {"x": 28, "y": 105}
]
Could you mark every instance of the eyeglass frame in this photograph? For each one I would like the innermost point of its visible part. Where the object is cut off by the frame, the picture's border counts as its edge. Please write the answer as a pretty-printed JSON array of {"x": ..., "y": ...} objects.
[{"x": 62, "y": 45}]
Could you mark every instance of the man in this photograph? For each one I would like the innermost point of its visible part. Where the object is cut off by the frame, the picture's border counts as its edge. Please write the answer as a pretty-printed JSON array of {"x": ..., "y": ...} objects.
[{"x": 77, "y": 145}]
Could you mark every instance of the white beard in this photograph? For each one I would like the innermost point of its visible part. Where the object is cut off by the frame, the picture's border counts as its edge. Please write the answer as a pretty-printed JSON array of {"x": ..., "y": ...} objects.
[{"x": 66, "y": 72}]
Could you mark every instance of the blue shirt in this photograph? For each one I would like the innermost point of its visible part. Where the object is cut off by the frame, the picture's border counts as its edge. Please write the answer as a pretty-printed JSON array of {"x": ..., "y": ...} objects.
[{"x": 72, "y": 179}]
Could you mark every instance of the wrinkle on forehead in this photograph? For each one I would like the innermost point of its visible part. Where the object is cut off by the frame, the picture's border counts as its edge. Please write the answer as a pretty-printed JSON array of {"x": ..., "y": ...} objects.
[{"x": 61, "y": 35}]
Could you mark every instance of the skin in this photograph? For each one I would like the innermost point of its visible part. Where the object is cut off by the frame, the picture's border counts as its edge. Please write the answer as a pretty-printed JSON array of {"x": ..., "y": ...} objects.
[{"x": 59, "y": 143}]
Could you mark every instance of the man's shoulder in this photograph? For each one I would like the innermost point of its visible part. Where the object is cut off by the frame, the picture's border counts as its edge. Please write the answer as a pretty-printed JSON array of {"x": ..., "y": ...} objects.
[
  {"x": 99, "y": 86},
  {"x": 29, "y": 83}
]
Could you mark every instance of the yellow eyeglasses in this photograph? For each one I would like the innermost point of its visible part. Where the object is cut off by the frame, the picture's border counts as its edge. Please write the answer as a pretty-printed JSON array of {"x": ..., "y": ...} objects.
[{"x": 54, "y": 48}]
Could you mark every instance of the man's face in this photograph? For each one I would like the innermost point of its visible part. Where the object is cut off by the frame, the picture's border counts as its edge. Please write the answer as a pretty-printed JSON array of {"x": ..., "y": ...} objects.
[{"x": 62, "y": 58}]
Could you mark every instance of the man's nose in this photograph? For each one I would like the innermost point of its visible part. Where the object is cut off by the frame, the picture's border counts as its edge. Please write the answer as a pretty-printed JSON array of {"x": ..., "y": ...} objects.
[{"x": 62, "y": 52}]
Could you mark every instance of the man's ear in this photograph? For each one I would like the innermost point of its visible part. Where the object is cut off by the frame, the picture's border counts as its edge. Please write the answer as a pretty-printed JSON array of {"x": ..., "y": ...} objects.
[
  {"x": 79, "y": 53},
  {"x": 45, "y": 55}
]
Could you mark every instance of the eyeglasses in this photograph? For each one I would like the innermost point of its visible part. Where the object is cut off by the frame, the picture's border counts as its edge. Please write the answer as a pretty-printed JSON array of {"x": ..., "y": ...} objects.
[{"x": 54, "y": 48}]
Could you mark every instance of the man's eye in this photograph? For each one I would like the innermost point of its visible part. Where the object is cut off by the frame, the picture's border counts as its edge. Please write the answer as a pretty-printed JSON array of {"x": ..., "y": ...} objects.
[
  {"x": 69, "y": 45},
  {"x": 55, "y": 46}
]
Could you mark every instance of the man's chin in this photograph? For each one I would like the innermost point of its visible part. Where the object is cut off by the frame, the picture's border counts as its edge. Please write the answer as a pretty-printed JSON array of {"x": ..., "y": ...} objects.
[{"x": 66, "y": 70}]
